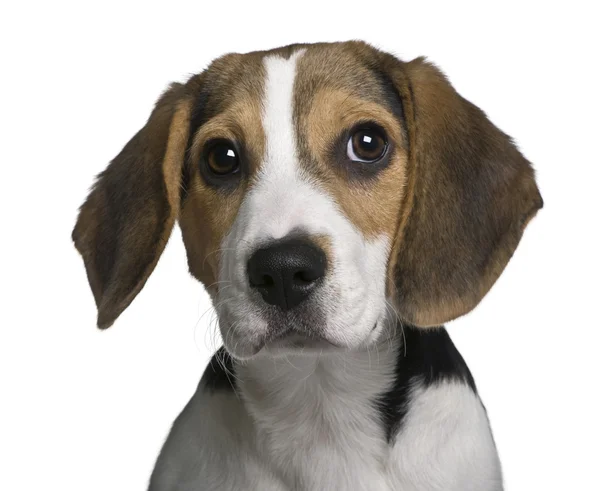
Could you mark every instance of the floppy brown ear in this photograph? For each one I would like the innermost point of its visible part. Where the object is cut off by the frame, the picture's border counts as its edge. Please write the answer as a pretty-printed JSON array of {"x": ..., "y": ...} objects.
[
  {"x": 470, "y": 195},
  {"x": 125, "y": 223}
]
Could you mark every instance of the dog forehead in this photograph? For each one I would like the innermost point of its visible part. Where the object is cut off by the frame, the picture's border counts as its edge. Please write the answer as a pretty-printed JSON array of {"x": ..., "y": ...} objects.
[{"x": 347, "y": 66}]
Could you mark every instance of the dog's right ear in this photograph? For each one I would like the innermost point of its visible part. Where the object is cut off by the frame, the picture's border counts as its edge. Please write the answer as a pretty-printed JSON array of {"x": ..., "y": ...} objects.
[{"x": 125, "y": 223}]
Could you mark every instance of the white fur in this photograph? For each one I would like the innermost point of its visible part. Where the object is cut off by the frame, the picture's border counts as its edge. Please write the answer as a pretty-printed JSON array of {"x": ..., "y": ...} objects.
[
  {"x": 446, "y": 443},
  {"x": 285, "y": 199},
  {"x": 314, "y": 417},
  {"x": 308, "y": 424}
]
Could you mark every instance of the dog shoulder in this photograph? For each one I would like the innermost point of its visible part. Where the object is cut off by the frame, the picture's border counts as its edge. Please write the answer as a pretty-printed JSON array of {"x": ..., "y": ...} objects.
[
  {"x": 446, "y": 440},
  {"x": 208, "y": 447},
  {"x": 435, "y": 421}
]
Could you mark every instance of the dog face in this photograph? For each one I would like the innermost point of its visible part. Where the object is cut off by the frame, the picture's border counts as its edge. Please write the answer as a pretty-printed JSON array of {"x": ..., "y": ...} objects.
[
  {"x": 311, "y": 170},
  {"x": 316, "y": 186}
]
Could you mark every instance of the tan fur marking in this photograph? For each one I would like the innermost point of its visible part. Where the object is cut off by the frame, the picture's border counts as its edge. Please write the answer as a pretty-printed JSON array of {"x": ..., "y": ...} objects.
[
  {"x": 324, "y": 243},
  {"x": 372, "y": 205},
  {"x": 209, "y": 213},
  {"x": 175, "y": 153},
  {"x": 240, "y": 122},
  {"x": 403, "y": 88},
  {"x": 205, "y": 220}
]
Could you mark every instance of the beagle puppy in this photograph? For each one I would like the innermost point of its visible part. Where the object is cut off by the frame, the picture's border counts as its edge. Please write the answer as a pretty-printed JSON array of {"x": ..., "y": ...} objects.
[{"x": 340, "y": 206}]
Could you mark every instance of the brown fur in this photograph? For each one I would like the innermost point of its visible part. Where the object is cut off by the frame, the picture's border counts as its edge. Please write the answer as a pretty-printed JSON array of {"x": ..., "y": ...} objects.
[
  {"x": 336, "y": 88},
  {"x": 208, "y": 213},
  {"x": 373, "y": 206},
  {"x": 126, "y": 221},
  {"x": 456, "y": 194},
  {"x": 471, "y": 195}
]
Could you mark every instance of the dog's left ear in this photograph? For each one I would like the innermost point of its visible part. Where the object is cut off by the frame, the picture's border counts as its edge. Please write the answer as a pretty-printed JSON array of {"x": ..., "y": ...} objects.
[
  {"x": 125, "y": 223},
  {"x": 469, "y": 196}
]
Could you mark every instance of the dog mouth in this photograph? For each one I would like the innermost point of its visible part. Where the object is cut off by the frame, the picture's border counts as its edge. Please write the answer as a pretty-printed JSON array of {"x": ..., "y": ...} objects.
[
  {"x": 296, "y": 332},
  {"x": 292, "y": 339}
]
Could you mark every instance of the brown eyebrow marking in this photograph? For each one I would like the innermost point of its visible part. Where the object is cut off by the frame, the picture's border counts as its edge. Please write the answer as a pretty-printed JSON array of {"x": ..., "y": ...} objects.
[
  {"x": 240, "y": 122},
  {"x": 334, "y": 91},
  {"x": 228, "y": 105}
]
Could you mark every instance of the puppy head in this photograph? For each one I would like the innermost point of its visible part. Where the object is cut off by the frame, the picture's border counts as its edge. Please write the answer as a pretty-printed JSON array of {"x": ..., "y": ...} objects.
[{"x": 315, "y": 187}]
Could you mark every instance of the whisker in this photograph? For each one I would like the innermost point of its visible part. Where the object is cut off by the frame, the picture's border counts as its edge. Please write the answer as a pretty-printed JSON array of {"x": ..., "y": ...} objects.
[
  {"x": 216, "y": 251},
  {"x": 219, "y": 282}
]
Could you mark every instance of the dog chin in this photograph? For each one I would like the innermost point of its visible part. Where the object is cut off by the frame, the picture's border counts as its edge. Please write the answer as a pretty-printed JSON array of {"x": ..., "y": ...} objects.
[
  {"x": 283, "y": 344},
  {"x": 299, "y": 344},
  {"x": 293, "y": 344}
]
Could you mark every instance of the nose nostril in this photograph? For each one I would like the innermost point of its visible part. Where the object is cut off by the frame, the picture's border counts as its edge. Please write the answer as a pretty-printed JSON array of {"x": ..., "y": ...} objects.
[
  {"x": 305, "y": 277},
  {"x": 262, "y": 280},
  {"x": 267, "y": 280}
]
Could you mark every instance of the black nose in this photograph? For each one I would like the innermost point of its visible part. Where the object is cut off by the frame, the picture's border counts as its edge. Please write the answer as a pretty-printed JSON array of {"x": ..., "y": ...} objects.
[{"x": 287, "y": 272}]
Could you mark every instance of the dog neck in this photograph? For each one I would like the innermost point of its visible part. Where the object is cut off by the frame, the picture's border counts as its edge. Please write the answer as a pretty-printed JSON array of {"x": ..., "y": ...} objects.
[
  {"x": 329, "y": 389},
  {"x": 369, "y": 388}
]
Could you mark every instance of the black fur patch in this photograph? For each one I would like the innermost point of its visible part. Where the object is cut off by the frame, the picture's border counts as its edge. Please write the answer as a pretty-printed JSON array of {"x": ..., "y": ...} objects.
[
  {"x": 427, "y": 356},
  {"x": 220, "y": 373},
  {"x": 391, "y": 97}
]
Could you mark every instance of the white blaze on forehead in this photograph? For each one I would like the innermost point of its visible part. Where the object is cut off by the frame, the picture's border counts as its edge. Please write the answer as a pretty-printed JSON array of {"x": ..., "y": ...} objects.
[
  {"x": 278, "y": 109},
  {"x": 279, "y": 172}
]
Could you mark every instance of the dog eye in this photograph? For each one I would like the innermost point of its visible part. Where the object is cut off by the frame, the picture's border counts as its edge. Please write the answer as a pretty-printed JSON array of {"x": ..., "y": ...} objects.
[
  {"x": 366, "y": 145},
  {"x": 222, "y": 158}
]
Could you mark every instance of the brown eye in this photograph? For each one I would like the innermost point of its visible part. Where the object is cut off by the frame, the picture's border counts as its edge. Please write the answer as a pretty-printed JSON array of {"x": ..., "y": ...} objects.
[
  {"x": 367, "y": 145},
  {"x": 222, "y": 158}
]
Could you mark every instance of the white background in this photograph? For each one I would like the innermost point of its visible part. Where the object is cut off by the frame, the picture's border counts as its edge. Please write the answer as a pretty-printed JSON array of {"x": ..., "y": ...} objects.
[{"x": 88, "y": 410}]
